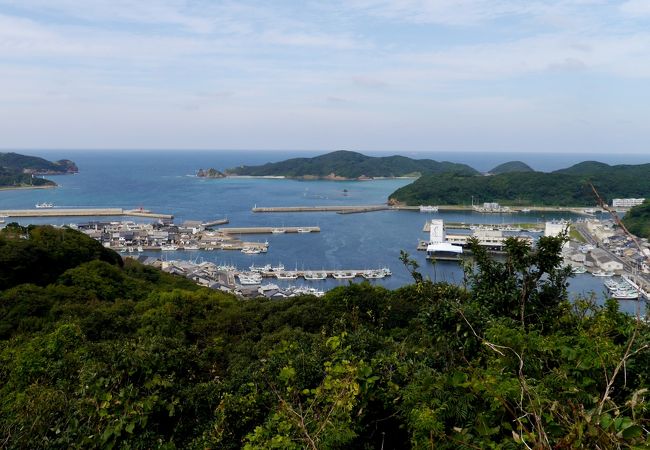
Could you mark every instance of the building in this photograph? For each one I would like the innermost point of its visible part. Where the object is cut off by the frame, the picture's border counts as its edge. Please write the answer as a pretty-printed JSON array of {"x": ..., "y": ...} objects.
[
  {"x": 626, "y": 202},
  {"x": 554, "y": 229},
  {"x": 604, "y": 261},
  {"x": 438, "y": 247}
]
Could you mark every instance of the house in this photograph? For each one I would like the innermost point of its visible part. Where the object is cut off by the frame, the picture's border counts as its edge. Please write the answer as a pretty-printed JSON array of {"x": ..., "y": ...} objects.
[{"x": 604, "y": 261}]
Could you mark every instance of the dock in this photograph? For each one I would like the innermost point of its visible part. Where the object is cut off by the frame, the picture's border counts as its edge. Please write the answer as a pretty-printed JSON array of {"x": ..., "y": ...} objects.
[
  {"x": 83, "y": 212},
  {"x": 268, "y": 230},
  {"x": 214, "y": 223},
  {"x": 328, "y": 208}
]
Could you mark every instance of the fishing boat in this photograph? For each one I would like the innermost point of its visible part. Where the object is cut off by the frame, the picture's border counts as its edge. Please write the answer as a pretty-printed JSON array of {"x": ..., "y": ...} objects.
[
  {"x": 251, "y": 251},
  {"x": 278, "y": 230},
  {"x": 44, "y": 205},
  {"x": 278, "y": 268},
  {"x": 578, "y": 270},
  {"x": 290, "y": 275},
  {"x": 601, "y": 273},
  {"x": 373, "y": 274},
  {"x": 303, "y": 230},
  {"x": 314, "y": 276},
  {"x": 264, "y": 268},
  {"x": 168, "y": 248},
  {"x": 249, "y": 278},
  {"x": 341, "y": 275},
  {"x": 191, "y": 247}
]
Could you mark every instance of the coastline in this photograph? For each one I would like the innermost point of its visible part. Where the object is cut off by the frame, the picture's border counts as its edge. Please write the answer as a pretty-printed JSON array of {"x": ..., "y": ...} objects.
[{"x": 316, "y": 178}]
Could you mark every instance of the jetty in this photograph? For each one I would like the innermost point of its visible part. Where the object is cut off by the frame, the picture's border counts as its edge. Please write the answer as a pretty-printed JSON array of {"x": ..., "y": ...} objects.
[
  {"x": 83, "y": 212},
  {"x": 268, "y": 230},
  {"x": 214, "y": 223}
]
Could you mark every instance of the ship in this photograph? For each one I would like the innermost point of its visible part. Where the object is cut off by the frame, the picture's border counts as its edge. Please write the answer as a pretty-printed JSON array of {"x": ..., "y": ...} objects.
[
  {"x": 44, "y": 205},
  {"x": 341, "y": 275},
  {"x": 428, "y": 209},
  {"x": 314, "y": 276}
]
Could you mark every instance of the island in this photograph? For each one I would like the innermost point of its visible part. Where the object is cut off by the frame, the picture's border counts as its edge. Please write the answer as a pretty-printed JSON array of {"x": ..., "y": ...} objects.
[
  {"x": 564, "y": 187},
  {"x": 511, "y": 166},
  {"x": 22, "y": 171},
  {"x": 209, "y": 173},
  {"x": 348, "y": 165}
]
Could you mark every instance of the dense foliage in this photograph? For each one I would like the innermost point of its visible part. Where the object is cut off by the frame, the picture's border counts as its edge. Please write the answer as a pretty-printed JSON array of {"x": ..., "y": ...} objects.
[
  {"x": 16, "y": 170},
  {"x": 637, "y": 220},
  {"x": 566, "y": 187},
  {"x": 511, "y": 166},
  {"x": 348, "y": 164},
  {"x": 108, "y": 356}
]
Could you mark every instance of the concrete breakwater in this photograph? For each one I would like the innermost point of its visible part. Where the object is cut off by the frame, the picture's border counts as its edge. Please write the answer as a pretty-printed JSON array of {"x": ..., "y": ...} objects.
[{"x": 83, "y": 212}]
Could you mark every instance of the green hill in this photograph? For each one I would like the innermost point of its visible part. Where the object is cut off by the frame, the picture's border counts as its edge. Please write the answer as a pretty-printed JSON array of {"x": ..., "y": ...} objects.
[
  {"x": 637, "y": 220},
  {"x": 350, "y": 165},
  {"x": 566, "y": 187},
  {"x": 18, "y": 170},
  {"x": 512, "y": 166},
  {"x": 99, "y": 354}
]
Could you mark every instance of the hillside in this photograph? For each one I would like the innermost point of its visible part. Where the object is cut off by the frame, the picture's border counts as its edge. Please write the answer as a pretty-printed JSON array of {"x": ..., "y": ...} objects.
[
  {"x": 17, "y": 170},
  {"x": 100, "y": 354},
  {"x": 351, "y": 165},
  {"x": 566, "y": 187},
  {"x": 637, "y": 220},
  {"x": 512, "y": 166}
]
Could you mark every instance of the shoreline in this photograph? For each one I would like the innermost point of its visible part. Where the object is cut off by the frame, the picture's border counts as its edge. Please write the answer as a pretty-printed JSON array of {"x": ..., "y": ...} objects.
[{"x": 313, "y": 178}]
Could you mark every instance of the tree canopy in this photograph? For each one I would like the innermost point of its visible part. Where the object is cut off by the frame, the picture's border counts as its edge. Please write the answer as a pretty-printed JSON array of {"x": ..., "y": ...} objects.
[{"x": 106, "y": 355}]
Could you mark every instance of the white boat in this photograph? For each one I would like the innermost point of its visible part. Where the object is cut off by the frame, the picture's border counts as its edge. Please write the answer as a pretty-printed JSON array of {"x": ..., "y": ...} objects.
[
  {"x": 44, "y": 205},
  {"x": 386, "y": 271},
  {"x": 525, "y": 210},
  {"x": 428, "y": 209},
  {"x": 140, "y": 248},
  {"x": 251, "y": 250},
  {"x": 264, "y": 268},
  {"x": 278, "y": 230},
  {"x": 286, "y": 275},
  {"x": 341, "y": 275},
  {"x": 278, "y": 268},
  {"x": 303, "y": 230},
  {"x": 312, "y": 275},
  {"x": 249, "y": 278},
  {"x": 191, "y": 247},
  {"x": 578, "y": 270},
  {"x": 373, "y": 274},
  {"x": 168, "y": 248},
  {"x": 601, "y": 273},
  {"x": 625, "y": 294}
]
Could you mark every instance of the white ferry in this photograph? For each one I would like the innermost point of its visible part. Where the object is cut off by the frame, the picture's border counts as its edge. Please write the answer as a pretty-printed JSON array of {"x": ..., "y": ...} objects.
[{"x": 428, "y": 209}]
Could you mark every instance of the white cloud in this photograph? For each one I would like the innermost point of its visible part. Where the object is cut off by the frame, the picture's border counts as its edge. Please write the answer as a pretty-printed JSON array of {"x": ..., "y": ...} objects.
[{"x": 636, "y": 8}]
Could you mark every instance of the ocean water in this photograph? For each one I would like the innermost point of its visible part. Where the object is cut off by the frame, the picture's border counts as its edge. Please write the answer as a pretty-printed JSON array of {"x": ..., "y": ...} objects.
[{"x": 165, "y": 182}]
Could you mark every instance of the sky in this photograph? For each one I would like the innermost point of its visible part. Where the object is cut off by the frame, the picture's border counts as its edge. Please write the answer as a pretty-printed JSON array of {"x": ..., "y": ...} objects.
[{"x": 375, "y": 75}]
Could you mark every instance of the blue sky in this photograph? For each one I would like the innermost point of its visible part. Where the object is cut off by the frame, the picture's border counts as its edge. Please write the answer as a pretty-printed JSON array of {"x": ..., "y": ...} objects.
[{"x": 394, "y": 75}]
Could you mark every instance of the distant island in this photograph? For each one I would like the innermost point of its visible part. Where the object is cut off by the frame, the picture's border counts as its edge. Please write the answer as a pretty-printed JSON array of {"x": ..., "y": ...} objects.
[
  {"x": 512, "y": 166},
  {"x": 347, "y": 165},
  {"x": 22, "y": 171},
  {"x": 565, "y": 187},
  {"x": 209, "y": 173}
]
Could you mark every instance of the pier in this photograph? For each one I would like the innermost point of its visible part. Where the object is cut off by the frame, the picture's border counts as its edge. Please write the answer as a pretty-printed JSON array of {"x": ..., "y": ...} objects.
[
  {"x": 83, "y": 212},
  {"x": 268, "y": 230}
]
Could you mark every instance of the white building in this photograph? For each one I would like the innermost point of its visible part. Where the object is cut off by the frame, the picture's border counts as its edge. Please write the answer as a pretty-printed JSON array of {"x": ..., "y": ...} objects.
[
  {"x": 604, "y": 261},
  {"x": 626, "y": 202},
  {"x": 438, "y": 246},
  {"x": 555, "y": 229}
]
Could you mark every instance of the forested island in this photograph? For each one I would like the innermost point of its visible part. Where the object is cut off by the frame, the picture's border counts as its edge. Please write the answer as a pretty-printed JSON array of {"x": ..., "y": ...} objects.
[
  {"x": 565, "y": 187},
  {"x": 347, "y": 165},
  {"x": 97, "y": 352},
  {"x": 20, "y": 171},
  {"x": 637, "y": 220}
]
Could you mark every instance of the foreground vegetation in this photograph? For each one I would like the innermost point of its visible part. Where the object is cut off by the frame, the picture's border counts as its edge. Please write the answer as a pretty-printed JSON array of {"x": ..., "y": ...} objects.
[
  {"x": 100, "y": 353},
  {"x": 637, "y": 220},
  {"x": 351, "y": 165},
  {"x": 566, "y": 187}
]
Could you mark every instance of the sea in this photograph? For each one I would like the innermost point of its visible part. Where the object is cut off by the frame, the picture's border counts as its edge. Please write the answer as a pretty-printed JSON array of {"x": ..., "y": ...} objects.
[{"x": 165, "y": 182}]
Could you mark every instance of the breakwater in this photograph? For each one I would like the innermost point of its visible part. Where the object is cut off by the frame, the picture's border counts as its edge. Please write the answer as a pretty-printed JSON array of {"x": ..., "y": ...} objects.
[{"x": 83, "y": 212}]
